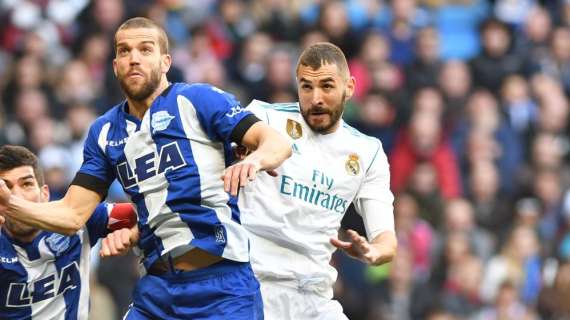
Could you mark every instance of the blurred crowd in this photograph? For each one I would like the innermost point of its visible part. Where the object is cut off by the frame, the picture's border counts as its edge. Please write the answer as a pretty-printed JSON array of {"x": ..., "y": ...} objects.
[{"x": 469, "y": 98}]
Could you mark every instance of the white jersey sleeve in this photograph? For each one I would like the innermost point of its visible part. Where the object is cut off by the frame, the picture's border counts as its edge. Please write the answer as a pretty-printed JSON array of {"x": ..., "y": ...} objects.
[{"x": 374, "y": 200}]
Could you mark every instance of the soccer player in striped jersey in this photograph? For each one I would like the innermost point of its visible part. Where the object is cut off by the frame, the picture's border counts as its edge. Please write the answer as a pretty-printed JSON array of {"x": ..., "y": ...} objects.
[
  {"x": 45, "y": 275},
  {"x": 293, "y": 219},
  {"x": 169, "y": 145}
]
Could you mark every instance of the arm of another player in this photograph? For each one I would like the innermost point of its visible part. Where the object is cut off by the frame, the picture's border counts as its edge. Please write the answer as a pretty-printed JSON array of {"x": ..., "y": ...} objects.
[
  {"x": 270, "y": 150},
  {"x": 125, "y": 232},
  {"x": 380, "y": 250},
  {"x": 65, "y": 216}
]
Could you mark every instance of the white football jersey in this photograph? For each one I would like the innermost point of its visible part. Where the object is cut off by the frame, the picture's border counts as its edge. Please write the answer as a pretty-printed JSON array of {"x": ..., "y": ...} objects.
[{"x": 292, "y": 217}]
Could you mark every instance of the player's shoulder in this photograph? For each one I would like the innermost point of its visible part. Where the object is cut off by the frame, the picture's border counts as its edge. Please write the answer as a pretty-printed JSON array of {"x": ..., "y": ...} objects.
[
  {"x": 198, "y": 90},
  {"x": 353, "y": 134},
  {"x": 284, "y": 107}
]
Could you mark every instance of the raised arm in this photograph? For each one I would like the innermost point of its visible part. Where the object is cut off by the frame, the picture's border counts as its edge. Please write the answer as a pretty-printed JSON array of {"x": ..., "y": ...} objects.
[
  {"x": 65, "y": 216},
  {"x": 270, "y": 149}
]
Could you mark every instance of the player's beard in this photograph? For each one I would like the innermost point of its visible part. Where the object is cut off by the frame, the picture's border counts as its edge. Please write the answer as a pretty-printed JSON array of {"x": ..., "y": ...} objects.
[
  {"x": 334, "y": 113},
  {"x": 140, "y": 93},
  {"x": 19, "y": 230}
]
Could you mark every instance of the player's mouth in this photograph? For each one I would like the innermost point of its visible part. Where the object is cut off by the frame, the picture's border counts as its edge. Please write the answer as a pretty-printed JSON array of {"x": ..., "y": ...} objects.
[{"x": 135, "y": 74}]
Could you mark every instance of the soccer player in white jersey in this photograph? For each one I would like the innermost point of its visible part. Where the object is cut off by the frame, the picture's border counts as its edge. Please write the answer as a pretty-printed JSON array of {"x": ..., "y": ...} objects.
[
  {"x": 45, "y": 275},
  {"x": 168, "y": 145},
  {"x": 293, "y": 219}
]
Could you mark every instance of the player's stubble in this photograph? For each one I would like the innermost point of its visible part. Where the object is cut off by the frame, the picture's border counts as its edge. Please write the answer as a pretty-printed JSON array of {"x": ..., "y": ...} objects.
[
  {"x": 334, "y": 113},
  {"x": 139, "y": 92}
]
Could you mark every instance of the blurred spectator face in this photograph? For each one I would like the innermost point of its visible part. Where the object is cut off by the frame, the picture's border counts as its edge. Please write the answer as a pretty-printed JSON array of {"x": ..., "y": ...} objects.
[
  {"x": 427, "y": 45},
  {"x": 405, "y": 212},
  {"x": 458, "y": 215},
  {"x": 31, "y": 105},
  {"x": 424, "y": 179},
  {"x": 506, "y": 297},
  {"x": 469, "y": 275},
  {"x": 515, "y": 89},
  {"x": 483, "y": 111},
  {"x": 79, "y": 118},
  {"x": 96, "y": 50},
  {"x": 547, "y": 151},
  {"x": 429, "y": 101},
  {"x": 522, "y": 243},
  {"x": 76, "y": 83},
  {"x": 42, "y": 133},
  {"x": 34, "y": 45},
  {"x": 376, "y": 110},
  {"x": 547, "y": 187},
  {"x": 553, "y": 113},
  {"x": 334, "y": 20},
  {"x": 457, "y": 248},
  {"x": 280, "y": 69},
  {"x": 560, "y": 44},
  {"x": 312, "y": 37},
  {"x": 231, "y": 11},
  {"x": 496, "y": 39},
  {"x": 375, "y": 49},
  {"x": 386, "y": 77},
  {"x": 481, "y": 146},
  {"x": 403, "y": 10},
  {"x": 108, "y": 14},
  {"x": 544, "y": 85},
  {"x": 28, "y": 73},
  {"x": 253, "y": 55},
  {"x": 322, "y": 102},
  {"x": 425, "y": 131},
  {"x": 484, "y": 180},
  {"x": 527, "y": 211},
  {"x": 455, "y": 79},
  {"x": 538, "y": 25},
  {"x": 214, "y": 73}
]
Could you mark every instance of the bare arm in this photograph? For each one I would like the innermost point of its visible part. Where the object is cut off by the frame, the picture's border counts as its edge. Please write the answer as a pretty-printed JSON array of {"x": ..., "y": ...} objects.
[
  {"x": 270, "y": 150},
  {"x": 380, "y": 250},
  {"x": 65, "y": 216}
]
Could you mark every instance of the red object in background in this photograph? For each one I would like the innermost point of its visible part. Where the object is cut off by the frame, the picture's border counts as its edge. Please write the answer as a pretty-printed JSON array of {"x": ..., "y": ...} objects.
[{"x": 122, "y": 215}]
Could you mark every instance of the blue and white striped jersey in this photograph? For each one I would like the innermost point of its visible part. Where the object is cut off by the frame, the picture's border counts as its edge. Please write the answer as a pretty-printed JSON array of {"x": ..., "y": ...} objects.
[
  {"x": 49, "y": 277},
  {"x": 170, "y": 164}
]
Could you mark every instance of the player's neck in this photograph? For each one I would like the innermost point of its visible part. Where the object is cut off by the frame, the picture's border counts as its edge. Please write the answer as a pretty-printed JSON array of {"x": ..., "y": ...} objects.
[
  {"x": 138, "y": 108},
  {"x": 24, "y": 239}
]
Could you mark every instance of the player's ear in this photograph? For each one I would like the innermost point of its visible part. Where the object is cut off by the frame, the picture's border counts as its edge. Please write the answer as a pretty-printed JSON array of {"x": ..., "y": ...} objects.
[
  {"x": 115, "y": 66},
  {"x": 44, "y": 193},
  {"x": 350, "y": 86},
  {"x": 165, "y": 62}
]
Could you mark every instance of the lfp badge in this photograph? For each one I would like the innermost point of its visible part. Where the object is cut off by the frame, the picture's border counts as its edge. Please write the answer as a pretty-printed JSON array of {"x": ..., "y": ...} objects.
[
  {"x": 294, "y": 129},
  {"x": 352, "y": 165}
]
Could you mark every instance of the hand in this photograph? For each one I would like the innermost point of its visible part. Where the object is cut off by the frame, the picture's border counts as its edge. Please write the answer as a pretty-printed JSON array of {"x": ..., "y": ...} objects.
[
  {"x": 357, "y": 247},
  {"x": 119, "y": 242},
  {"x": 239, "y": 175}
]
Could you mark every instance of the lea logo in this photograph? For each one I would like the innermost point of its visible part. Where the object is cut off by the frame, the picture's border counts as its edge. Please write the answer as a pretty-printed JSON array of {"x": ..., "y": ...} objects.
[
  {"x": 24, "y": 294},
  {"x": 146, "y": 166}
]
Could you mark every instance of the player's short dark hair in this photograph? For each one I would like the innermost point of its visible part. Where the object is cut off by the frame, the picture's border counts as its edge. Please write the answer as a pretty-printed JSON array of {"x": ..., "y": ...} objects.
[
  {"x": 321, "y": 53},
  {"x": 141, "y": 22},
  {"x": 12, "y": 157}
]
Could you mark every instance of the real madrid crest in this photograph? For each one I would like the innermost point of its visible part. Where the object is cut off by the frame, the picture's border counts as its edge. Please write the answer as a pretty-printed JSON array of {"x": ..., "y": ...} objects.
[
  {"x": 352, "y": 164},
  {"x": 294, "y": 129}
]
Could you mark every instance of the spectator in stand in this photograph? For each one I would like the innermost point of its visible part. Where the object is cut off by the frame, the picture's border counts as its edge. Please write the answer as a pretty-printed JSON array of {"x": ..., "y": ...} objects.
[
  {"x": 496, "y": 61},
  {"x": 424, "y": 141},
  {"x": 425, "y": 68},
  {"x": 455, "y": 85}
]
